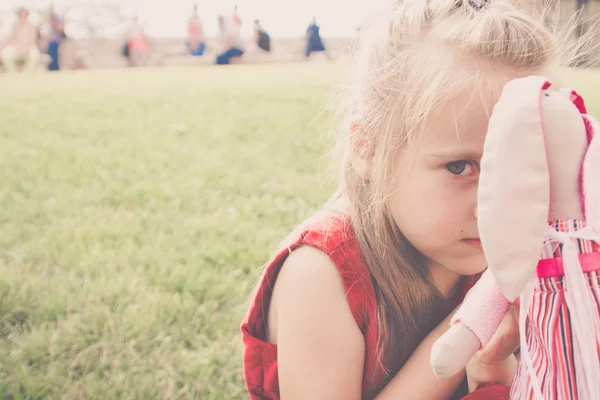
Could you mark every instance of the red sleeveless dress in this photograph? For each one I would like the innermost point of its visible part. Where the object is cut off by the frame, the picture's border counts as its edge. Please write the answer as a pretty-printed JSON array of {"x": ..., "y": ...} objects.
[{"x": 332, "y": 235}]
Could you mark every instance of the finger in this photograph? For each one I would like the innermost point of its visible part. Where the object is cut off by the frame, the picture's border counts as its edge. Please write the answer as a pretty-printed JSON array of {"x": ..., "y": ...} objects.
[
  {"x": 510, "y": 335},
  {"x": 504, "y": 342}
]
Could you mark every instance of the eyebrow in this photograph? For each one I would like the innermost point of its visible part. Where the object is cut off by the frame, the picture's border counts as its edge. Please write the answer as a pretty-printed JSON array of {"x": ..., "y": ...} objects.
[{"x": 456, "y": 154}]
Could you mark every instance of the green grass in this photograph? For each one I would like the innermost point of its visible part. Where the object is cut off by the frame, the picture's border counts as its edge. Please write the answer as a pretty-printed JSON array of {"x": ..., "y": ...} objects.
[{"x": 137, "y": 209}]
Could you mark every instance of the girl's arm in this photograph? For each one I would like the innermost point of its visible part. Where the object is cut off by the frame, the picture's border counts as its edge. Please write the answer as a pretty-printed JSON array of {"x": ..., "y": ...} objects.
[
  {"x": 494, "y": 363},
  {"x": 416, "y": 379},
  {"x": 320, "y": 347}
]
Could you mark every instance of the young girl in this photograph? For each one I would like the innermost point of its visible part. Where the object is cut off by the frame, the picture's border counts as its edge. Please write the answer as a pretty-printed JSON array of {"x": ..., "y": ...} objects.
[{"x": 351, "y": 305}]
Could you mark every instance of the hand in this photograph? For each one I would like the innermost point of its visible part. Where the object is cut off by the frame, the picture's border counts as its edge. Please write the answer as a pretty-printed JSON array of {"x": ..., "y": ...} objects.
[{"x": 496, "y": 362}]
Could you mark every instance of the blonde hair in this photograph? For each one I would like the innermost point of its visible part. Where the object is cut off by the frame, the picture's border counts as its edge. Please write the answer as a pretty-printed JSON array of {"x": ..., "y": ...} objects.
[{"x": 411, "y": 63}]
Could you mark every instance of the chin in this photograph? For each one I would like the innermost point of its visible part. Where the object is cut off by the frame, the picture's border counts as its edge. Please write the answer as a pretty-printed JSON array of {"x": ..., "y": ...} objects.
[
  {"x": 471, "y": 265},
  {"x": 477, "y": 267}
]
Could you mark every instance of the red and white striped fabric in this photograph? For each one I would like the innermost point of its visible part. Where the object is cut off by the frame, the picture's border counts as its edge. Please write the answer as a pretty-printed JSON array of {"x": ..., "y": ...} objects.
[{"x": 549, "y": 326}]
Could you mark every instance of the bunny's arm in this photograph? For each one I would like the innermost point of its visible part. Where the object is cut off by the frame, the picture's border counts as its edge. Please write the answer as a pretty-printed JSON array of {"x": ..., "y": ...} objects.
[{"x": 471, "y": 328}]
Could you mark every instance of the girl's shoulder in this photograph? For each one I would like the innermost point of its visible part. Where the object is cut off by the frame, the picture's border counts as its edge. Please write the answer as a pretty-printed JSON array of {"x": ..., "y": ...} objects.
[{"x": 332, "y": 234}]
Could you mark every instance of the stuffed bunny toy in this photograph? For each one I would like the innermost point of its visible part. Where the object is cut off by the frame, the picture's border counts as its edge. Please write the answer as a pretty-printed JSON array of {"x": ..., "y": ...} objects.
[{"x": 538, "y": 214}]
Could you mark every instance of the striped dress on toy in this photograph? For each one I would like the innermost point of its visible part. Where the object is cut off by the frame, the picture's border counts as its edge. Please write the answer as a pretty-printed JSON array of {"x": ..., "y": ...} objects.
[{"x": 549, "y": 325}]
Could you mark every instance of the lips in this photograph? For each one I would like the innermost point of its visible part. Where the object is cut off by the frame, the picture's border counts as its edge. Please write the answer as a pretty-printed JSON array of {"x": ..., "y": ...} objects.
[{"x": 473, "y": 243}]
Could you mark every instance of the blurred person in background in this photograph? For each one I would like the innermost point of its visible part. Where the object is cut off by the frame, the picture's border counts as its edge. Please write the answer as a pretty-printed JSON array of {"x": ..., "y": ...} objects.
[
  {"x": 21, "y": 45},
  {"x": 196, "y": 41},
  {"x": 314, "y": 43},
  {"x": 263, "y": 40},
  {"x": 55, "y": 37},
  {"x": 236, "y": 16},
  {"x": 136, "y": 44},
  {"x": 230, "y": 40}
]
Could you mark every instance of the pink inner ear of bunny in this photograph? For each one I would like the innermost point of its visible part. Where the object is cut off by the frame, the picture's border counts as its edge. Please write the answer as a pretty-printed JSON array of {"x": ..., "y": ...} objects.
[
  {"x": 589, "y": 128},
  {"x": 578, "y": 101}
]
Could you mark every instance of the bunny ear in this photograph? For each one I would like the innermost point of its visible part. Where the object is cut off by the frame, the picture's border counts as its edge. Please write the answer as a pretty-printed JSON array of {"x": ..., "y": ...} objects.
[
  {"x": 591, "y": 174},
  {"x": 590, "y": 130},
  {"x": 514, "y": 185},
  {"x": 575, "y": 98}
]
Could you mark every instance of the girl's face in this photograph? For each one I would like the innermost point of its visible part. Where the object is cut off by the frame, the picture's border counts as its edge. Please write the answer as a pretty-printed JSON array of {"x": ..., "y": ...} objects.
[{"x": 434, "y": 189}]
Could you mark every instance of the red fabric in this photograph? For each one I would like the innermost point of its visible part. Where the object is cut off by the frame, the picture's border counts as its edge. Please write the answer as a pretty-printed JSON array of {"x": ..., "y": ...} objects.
[
  {"x": 489, "y": 391},
  {"x": 332, "y": 235},
  {"x": 552, "y": 267},
  {"x": 137, "y": 43}
]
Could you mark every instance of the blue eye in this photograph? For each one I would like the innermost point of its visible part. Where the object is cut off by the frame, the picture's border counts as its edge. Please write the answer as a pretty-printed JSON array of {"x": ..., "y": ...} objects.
[{"x": 457, "y": 167}]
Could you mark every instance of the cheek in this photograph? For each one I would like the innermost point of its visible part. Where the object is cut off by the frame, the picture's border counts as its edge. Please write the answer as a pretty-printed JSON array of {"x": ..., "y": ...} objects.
[{"x": 431, "y": 211}]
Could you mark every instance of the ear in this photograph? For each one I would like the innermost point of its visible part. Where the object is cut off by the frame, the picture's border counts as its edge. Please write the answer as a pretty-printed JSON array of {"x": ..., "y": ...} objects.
[
  {"x": 514, "y": 186},
  {"x": 591, "y": 127},
  {"x": 361, "y": 154}
]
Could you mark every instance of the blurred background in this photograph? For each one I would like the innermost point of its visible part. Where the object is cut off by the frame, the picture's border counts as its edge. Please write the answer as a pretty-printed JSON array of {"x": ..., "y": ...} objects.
[
  {"x": 145, "y": 183},
  {"x": 164, "y": 19},
  {"x": 95, "y": 27}
]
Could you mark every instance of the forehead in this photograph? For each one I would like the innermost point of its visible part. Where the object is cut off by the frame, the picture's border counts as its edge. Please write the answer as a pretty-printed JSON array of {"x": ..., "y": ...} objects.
[{"x": 459, "y": 125}]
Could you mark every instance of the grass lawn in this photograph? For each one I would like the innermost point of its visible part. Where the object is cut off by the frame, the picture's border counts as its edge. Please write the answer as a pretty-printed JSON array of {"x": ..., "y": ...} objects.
[{"x": 137, "y": 210}]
